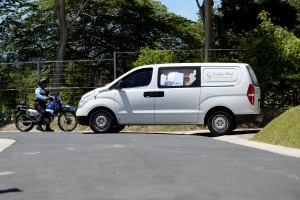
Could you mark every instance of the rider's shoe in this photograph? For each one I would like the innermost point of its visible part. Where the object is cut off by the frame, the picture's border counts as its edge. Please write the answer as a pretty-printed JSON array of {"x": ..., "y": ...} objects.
[
  {"x": 39, "y": 127},
  {"x": 48, "y": 129}
]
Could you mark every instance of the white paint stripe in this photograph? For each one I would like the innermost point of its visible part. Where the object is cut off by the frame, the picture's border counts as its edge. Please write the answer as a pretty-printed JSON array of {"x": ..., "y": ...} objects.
[
  {"x": 29, "y": 153},
  {"x": 4, "y": 143},
  {"x": 6, "y": 173}
]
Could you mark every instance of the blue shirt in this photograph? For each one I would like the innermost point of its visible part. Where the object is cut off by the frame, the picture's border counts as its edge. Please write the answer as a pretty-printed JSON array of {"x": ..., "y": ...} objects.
[{"x": 39, "y": 92}]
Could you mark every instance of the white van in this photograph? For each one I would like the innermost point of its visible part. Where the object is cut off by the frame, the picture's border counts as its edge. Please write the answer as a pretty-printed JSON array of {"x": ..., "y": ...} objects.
[{"x": 219, "y": 95}]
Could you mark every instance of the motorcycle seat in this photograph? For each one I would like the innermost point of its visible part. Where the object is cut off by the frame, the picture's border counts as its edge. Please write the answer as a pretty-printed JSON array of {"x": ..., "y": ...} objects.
[{"x": 31, "y": 107}]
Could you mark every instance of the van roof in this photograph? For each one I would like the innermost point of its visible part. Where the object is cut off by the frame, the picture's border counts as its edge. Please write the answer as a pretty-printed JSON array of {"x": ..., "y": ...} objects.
[{"x": 200, "y": 64}]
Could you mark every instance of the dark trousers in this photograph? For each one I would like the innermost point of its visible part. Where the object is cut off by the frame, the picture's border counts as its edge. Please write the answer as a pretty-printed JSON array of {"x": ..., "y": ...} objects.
[{"x": 41, "y": 107}]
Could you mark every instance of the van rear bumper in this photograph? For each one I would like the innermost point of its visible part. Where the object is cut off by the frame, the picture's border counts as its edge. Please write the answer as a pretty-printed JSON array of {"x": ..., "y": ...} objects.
[{"x": 243, "y": 119}]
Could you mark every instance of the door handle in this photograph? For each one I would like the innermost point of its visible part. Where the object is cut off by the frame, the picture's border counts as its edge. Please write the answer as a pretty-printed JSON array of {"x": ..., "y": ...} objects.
[
  {"x": 147, "y": 94},
  {"x": 154, "y": 94},
  {"x": 161, "y": 94}
]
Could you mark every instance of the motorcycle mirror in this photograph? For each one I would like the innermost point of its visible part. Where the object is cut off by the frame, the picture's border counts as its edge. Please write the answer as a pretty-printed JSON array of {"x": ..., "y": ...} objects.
[{"x": 25, "y": 93}]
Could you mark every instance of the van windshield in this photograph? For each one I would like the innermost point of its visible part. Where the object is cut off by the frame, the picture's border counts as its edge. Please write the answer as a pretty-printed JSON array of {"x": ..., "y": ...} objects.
[{"x": 253, "y": 77}]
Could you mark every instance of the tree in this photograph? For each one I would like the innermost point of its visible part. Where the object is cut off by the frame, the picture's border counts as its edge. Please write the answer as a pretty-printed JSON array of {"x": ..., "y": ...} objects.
[
  {"x": 101, "y": 28},
  {"x": 296, "y": 5},
  {"x": 65, "y": 29},
  {"x": 202, "y": 14},
  {"x": 149, "y": 56},
  {"x": 273, "y": 52},
  {"x": 240, "y": 16},
  {"x": 16, "y": 38},
  {"x": 30, "y": 30}
]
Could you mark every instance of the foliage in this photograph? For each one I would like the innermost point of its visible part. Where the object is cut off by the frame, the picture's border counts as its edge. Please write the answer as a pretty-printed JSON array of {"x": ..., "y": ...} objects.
[
  {"x": 29, "y": 29},
  {"x": 274, "y": 54},
  {"x": 149, "y": 56},
  {"x": 296, "y": 5},
  {"x": 14, "y": 80},
  {"x": 154, "y": 56},
  {"x": 240, "y": 16},
  {"x": 22, "y": 38},
  {"x": 283, "y": 130}
]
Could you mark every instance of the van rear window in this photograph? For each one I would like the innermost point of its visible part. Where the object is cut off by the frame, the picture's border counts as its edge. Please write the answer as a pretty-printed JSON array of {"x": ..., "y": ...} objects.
[{"x": 252, "y": 75}]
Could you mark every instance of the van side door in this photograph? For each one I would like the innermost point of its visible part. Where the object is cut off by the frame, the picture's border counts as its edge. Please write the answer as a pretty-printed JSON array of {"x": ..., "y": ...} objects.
[
  {"x": 179, "y": 90},
  {"x": 131, "y": 104}
]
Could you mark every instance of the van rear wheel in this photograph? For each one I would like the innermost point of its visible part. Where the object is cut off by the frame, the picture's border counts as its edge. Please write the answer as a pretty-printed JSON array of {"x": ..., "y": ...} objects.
[
  {"x": 102, "y": 121},
  {"x": 220, "y": 123}
]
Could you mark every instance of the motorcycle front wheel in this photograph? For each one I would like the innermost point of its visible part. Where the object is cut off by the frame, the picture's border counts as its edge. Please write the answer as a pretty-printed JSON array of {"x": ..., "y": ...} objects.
[
  {"x": 23, "y": 122},
  {"x": 67, "y": 121}
]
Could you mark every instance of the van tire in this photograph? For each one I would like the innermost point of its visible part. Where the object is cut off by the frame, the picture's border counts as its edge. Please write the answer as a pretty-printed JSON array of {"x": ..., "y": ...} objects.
[
  {"x": 102, "y": 121},
  {"x": 220, "y": 123}
]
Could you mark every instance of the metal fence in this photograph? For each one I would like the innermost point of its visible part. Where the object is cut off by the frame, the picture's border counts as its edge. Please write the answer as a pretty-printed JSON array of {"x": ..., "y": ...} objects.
[{"x": 76, "y": 77}]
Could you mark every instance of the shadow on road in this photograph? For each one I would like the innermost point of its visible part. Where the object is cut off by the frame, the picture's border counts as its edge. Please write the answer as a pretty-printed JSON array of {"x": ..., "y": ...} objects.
[
  {"x": 203, "y": 133},
  {"x": 10, "y": 190},
  {"x": 237, "y": 132}
]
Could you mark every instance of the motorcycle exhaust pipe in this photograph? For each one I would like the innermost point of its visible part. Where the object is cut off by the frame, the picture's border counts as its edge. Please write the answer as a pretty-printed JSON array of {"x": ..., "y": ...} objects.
[
  {"x": 30, "y": 121},
  {"x": 45, "y": 121}
]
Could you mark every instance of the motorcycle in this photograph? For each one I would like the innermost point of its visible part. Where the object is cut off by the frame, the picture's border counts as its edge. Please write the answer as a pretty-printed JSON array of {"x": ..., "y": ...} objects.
[{"x": 29, "y": 116}]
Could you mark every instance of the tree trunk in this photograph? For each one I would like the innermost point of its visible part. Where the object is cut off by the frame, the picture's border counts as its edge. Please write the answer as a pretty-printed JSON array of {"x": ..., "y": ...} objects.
[
  {"x": 212, "y": 40},
  {"x": 64, "y": 33},
  {"x": 61, "y": 53}
]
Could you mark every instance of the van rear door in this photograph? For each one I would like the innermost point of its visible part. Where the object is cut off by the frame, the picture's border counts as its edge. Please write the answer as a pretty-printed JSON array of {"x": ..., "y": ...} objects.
[{"x": 257, "y": 95}]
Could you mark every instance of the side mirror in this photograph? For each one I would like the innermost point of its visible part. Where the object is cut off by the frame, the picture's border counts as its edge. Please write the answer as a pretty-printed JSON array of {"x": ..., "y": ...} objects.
[{"x": 120, "y": 85}]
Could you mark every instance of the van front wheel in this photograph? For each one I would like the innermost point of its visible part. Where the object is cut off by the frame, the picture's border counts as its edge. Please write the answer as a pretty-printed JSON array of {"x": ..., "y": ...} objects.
[
  {"x": 220, "y": 123},
  {"x": 101, "y": 121}
]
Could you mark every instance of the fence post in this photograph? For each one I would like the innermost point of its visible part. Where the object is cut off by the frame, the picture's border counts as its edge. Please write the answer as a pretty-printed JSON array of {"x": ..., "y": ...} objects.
[
  {"x": 115, "y": 65},
  {"x": 38, "y": 69}
]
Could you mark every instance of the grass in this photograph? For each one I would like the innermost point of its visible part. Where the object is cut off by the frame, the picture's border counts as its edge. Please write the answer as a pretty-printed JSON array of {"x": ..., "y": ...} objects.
[
  {"x": 163, "y": 128},
  {"x": 283, "y": 130}
]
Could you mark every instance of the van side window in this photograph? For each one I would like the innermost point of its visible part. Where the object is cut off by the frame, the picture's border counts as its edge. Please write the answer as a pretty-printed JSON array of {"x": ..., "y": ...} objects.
[
  {"x": 170, "y": 77},
  {"x": 139, "y": 78}
]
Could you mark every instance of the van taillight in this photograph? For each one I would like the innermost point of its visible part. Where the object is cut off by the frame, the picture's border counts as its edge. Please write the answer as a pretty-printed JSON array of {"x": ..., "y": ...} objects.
[{"x": 251, "y": 94}]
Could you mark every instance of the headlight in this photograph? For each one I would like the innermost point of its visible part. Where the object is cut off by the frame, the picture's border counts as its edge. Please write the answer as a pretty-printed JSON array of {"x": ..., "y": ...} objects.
[{"x": 84, "y": 100}]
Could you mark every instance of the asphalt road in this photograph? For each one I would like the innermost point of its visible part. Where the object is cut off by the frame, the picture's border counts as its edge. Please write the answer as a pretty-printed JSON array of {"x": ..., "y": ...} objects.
[{"x": 73, "y": 166}]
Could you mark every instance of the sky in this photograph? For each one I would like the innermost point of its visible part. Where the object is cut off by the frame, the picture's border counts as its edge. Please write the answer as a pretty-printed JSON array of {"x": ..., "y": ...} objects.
[{"x": 185, "y": 8}]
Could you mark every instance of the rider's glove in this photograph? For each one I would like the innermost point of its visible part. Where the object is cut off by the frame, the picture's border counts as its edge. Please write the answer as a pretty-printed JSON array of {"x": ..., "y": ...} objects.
[{"x": 51, "y": 98}]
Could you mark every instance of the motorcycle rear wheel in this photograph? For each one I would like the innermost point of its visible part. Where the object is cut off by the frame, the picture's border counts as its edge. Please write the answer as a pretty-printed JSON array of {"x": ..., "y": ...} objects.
[
  {"x": 21, "y": 126},
  {"x": 67, "y": 121}
]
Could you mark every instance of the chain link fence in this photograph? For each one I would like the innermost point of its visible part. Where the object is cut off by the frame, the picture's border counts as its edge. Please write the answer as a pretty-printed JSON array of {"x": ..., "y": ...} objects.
[{"x": 75, "y": 77}]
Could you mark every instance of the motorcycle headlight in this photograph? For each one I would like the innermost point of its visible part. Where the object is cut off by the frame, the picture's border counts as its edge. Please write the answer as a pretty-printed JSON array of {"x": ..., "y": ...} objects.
[{"x": 84, "y": 100}]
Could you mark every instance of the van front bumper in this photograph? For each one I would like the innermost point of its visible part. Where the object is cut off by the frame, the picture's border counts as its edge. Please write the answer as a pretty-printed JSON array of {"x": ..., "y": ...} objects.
[
  {"x": 82, "y": 120},
  {"x": 243, "y": 119}
]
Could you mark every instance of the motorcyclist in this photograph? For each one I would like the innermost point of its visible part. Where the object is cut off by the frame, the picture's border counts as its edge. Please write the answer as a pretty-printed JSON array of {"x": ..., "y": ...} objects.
[{"x": 40, "y": 102}]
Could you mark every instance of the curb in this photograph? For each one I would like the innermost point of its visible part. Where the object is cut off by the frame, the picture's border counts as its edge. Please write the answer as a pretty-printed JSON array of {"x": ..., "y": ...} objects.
[
  {"x": 243, "y": 139},
  {"x": 263, "y": 146}
]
